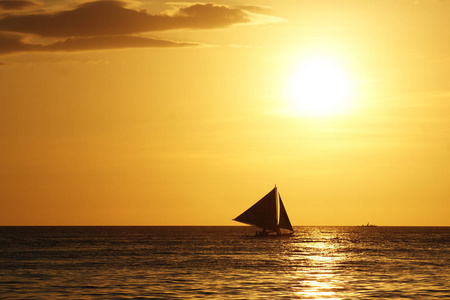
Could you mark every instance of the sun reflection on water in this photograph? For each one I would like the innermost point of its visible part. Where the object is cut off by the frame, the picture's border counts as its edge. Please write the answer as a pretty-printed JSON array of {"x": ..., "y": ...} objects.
[{"x": 317, "y": 258}]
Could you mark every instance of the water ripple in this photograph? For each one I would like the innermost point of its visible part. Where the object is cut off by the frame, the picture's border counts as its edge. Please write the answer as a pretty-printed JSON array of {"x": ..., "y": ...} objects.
[{"x": 220, "y": 263}]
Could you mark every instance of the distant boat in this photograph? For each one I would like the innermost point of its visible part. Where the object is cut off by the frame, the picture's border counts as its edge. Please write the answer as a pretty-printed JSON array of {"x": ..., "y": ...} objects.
[
  {"x": 368, "y": 225},
  {"x": 268, "y": 214}
]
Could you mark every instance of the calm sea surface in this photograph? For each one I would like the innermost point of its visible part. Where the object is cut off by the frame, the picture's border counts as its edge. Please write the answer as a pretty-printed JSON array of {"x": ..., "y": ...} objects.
[{"x": 220, "y": 263}]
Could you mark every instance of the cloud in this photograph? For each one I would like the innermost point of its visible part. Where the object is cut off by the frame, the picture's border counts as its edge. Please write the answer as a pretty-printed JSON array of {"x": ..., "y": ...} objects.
[
  {"x": 13, "y": 43},
  {"x": 111, "y": 17},
  {"x": 109, "y": 24},
  {"x": 111, "y": 42},
  {"x": 259, "y": 9},
  {"x": 208, "y": 16},
  {"x": 16, "y": 4}
]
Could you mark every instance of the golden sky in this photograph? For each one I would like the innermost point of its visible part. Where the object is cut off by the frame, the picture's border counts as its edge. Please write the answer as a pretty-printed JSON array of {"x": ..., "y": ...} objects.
[{"x": 186, "y": 113}]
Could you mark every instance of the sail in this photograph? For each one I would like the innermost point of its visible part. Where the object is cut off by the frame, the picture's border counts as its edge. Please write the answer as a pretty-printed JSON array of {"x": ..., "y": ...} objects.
[
  {"x": 263, "y": 213},
  {"x": 284, "y": 219}
]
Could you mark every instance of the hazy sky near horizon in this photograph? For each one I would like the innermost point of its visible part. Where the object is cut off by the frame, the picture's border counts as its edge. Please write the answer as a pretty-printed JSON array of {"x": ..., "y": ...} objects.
[{"x": 186, "y": 113}]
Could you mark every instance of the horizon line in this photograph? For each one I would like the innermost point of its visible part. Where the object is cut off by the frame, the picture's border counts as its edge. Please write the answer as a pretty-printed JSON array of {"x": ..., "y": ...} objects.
[{"x": 218, "y": 226}]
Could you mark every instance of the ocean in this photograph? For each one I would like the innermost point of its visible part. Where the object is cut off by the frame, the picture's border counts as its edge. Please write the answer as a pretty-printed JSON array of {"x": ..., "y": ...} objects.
[{"x": 221, "y": 262}]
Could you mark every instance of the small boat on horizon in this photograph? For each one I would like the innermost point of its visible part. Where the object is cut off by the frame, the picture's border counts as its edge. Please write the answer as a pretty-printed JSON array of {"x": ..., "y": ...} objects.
[
  {"x": 268, "y": 214},
  {"x": 368, "y": 225}
]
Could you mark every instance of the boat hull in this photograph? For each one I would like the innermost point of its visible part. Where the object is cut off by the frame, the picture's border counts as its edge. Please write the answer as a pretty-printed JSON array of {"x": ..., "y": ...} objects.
[{"x": 271, "y": 236}]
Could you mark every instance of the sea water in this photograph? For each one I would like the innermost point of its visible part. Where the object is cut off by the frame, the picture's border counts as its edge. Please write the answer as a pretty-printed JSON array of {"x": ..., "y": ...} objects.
[{"x": 222, "y": 263}]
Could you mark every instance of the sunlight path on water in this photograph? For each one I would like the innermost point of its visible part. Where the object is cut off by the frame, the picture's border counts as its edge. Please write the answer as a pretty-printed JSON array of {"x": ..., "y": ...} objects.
[{"x": 318, "y": 280}]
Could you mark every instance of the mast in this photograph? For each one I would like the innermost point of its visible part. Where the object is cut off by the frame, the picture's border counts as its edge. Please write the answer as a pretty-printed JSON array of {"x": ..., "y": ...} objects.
[{"x": 277, "y": 201}]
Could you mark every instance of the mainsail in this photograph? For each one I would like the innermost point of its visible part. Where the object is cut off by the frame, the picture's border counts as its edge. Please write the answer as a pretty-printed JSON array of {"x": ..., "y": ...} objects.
[{"x": 263, "y": 213}]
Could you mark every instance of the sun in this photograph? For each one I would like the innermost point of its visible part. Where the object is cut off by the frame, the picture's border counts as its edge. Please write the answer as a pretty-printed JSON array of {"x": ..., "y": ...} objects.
[{"x": 319, "y": 86}]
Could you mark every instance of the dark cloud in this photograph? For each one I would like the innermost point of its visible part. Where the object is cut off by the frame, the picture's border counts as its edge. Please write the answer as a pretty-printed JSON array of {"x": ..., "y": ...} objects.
[
  {"x": 16, "y": 4},
  {"x": 108, "y": 24},
  {"x": 112, "y": 17},
  {"x": 208, "y": 16}
]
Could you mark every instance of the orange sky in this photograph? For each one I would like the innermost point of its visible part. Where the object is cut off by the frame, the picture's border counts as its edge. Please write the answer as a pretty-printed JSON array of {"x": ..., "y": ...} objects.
[{"x": 186, "y": 113}]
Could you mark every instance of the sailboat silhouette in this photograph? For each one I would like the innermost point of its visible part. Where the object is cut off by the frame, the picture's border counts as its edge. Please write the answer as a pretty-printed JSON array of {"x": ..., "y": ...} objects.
[{"x": 269, "y": 214}]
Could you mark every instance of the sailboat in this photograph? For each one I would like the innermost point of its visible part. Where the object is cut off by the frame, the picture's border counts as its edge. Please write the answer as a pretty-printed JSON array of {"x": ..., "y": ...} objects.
[{"x": 268, "y": 214}]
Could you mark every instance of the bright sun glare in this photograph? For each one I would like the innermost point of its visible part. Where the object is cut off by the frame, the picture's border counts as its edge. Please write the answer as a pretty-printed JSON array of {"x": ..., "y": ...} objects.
[{"x": 319, "y": 86}]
